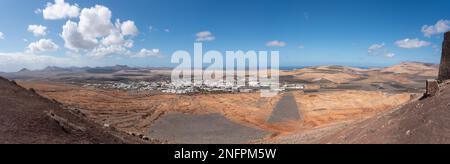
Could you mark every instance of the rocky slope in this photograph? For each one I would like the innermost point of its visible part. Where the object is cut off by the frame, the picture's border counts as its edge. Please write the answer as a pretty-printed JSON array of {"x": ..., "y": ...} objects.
[
  {"x": 423, "y": 121},
  {"x": 26, "y": 117}
]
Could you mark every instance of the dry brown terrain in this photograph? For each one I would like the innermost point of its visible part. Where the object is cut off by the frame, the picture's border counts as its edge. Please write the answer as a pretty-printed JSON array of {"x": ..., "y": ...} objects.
[
  {"x": 403, "y": 77},
  {"x": 135, "y": 113},
  {"x": 331, "y": 107},
  {"x": 424, "y": 121},
  {"x": 335, "y": 97}
]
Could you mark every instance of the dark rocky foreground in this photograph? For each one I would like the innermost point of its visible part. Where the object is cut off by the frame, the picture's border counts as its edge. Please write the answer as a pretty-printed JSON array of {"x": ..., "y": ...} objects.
[{"x": 28, "y": 118}]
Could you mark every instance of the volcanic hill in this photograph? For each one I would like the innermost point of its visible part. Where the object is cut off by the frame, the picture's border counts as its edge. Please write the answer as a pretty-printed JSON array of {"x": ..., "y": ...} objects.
[{"x": 26, "y": 117}]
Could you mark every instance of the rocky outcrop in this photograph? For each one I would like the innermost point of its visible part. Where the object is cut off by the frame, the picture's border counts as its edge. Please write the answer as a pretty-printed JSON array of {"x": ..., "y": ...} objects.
[
  {"x": 444, "y": 69},
  {"x": 432, "y": 88}
]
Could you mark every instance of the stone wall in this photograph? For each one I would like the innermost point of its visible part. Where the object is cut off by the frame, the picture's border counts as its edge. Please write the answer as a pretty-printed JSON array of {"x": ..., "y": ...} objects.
[{"x": 432, "y": 88}]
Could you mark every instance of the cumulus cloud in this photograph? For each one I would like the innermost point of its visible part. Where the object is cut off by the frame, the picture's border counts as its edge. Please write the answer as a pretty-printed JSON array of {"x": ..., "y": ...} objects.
[
  {"x": 42, "y": 45},
  {"x": 60, "y": 10},
  {"x": 97, "y": 34},
  {"x": 95, "y": 22},
  {"x": 380, "y": 50},
  {"x": 117, "y": 39},
  {"x": 205, "y": 36},
  {"x": 441, "y": 26},
  {"x": 74, "y": 40},
  {"x": 147, "y": 53},
  {"x": 411, "y": 43},
  {"x": 37, "y": 30},
  {"x": 2, "y": 36},
  {"x": 129, "y": 28},
  {"x": 275, "y": 43}
]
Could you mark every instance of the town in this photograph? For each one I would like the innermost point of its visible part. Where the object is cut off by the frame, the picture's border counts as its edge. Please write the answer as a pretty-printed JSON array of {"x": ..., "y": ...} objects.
[{"x": 201, "y": 87}]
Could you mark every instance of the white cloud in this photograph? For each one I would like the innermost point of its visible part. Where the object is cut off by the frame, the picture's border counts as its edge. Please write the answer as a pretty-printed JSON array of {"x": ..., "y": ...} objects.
[
  {"x": 116, "y": 38},
  {"x": 74, "y": 40},
  {"x": 60, "y": 10},
  {"x": 2, "y": 36},
  {"x": 38, "y": 11},
  {"x": 205, "y": 36},
  {"x": 301, "y": 46},
  {"x": 97, "y": 36},
  {"x": 166, "y": 30},
  {"x": 129, "y": 28},
  {"x": 411, "y": 43},
  {"x": 95, "y": 22},
  {"x": 380, "y": 50},
  {"x": 115, "y": 42},
  {"x": 375, "y": 47},
  {"x": 11, "y": 62},
  {"x": 275, "y": 43},
  {"x": 42, "y": 45},
  {"x": 102, "y": 51},
  {"x": 37, "y": 30},
  {"x": 147, "y": 53},
  {"x": 441, "y": 26}
]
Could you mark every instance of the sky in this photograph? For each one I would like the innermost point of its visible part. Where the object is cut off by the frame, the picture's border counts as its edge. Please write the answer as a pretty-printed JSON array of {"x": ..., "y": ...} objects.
[{"x": 145, "y": 33}]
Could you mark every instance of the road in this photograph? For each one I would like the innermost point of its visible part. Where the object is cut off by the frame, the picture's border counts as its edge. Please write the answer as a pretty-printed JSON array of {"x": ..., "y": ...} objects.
[{"x": 285, "y": 110}]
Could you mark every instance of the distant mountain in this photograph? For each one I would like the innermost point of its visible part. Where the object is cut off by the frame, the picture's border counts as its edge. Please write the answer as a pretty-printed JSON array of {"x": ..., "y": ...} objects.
[
  {"x": 52, "y": 68},
  {"x": 418, "y": 68},
  {"x": 109, "y": 69},
  {"x": 24, "y": 70}
]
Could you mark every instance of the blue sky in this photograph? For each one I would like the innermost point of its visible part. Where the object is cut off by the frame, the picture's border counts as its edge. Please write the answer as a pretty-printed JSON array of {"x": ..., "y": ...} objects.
[{"x": 306, "y": 32}]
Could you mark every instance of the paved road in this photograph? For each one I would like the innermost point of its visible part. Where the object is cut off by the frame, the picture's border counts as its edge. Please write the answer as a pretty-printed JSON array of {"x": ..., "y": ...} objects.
[{"x": 285, "y": 110}]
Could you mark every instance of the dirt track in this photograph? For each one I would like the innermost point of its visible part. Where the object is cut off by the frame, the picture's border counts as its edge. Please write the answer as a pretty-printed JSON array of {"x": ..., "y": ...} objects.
[{"x": 285, "y": 110}]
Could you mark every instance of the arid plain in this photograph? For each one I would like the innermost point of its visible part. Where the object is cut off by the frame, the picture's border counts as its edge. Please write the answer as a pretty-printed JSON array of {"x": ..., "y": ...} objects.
[{"x": 331, "y": 98}]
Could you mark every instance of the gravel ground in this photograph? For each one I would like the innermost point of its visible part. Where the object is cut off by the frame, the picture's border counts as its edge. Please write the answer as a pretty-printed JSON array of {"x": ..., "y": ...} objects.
[{"x": 202, "y": 129}]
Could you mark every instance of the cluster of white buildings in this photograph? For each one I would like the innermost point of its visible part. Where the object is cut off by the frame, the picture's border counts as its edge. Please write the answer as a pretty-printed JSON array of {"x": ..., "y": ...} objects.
[
  {"x": 186, "y": 87},
  {"x": 131, "y": 85},
  {"x": 183, "y": 87}
]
